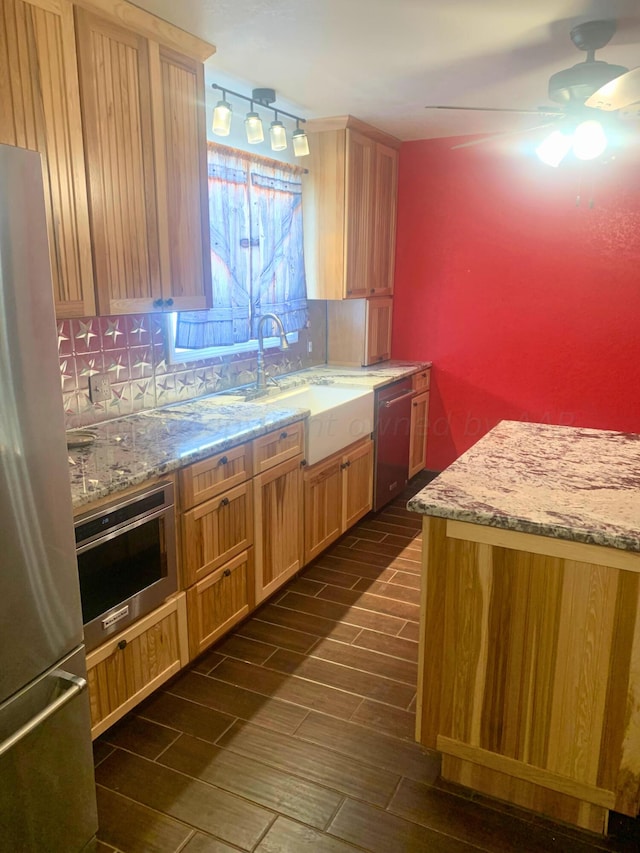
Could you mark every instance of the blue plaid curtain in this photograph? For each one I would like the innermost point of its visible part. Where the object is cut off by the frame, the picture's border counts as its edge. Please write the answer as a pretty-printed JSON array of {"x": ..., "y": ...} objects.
[{"x": 257, "y": 260}]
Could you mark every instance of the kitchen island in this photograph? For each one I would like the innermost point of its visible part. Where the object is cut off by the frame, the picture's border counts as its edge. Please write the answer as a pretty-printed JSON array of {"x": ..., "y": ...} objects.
[{"x": 529, "y": 675}]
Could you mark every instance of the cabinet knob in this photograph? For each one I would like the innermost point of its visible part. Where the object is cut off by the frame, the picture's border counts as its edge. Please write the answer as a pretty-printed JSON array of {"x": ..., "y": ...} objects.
[
  {"x": 414, "y": 405},
  {"x": 223, "y": 460},
  {"x": 373, "y": 290},
  {"x": 283, "y": 435},
  {"x": 122, "y": 644},
  {"x": 224, "y": 502},
  {"x": 303, "y": 463},
  {"x": 158, "y": 303},
  {"x": 226, "y": 573},
  {"x": 168, "y": 302},
  {"x": 343, "y": 465}
]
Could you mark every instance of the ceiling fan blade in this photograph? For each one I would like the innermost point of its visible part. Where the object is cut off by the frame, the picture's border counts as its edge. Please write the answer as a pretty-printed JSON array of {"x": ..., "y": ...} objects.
[
  {"x": 539, "y": 112},
  {"x": 500, "y": 135},
  {"x": 618, "y": 93}
]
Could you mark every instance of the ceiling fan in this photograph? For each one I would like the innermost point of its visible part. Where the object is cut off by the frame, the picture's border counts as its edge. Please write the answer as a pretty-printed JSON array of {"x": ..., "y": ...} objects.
[{"x": 582, "y": 94}]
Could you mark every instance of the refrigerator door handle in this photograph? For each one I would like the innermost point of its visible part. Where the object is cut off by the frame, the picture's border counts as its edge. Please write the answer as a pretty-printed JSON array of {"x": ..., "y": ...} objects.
[{"x": 75, "y": 685}]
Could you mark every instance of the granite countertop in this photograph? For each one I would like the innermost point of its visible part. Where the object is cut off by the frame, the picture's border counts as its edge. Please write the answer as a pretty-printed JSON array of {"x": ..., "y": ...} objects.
[
  {"x": 128, "y": 451},
  {"x": 563, "y": 482}
]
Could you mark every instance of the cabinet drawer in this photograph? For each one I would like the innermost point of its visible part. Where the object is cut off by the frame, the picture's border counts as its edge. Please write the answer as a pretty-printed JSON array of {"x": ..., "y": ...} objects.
[
  {"x": 215, "y": 531},
  {"x": 219, "y": 601},
  {"x": 212, "y": 476},
  {"x": 278, "y": 446},
  {"x": 130, "y": 666},
  {"x": 420, "y": 381}
]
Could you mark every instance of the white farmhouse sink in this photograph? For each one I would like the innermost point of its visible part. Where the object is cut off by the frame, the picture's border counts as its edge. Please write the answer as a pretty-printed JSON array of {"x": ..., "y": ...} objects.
[{"x": 339, "y": 416}]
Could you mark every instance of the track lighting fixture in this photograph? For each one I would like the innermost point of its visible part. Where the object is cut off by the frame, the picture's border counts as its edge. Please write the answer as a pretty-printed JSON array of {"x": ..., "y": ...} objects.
[{"x": 262, "y": 98}]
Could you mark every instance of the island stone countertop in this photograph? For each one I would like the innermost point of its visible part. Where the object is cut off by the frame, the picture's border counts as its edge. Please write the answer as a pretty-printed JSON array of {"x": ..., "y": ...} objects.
[
  {"x": 564, "y": 482},
  {"x": 128, "y": 451}
]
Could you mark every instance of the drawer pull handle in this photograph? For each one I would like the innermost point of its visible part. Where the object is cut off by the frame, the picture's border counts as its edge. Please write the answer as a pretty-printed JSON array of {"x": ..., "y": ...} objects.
[
  {"x": 343, "y": 465},
  {"x": 226, "y": 573},
  {"x": 223, "y": 460},
  {"x": 122, "y": 644},
  {"x": 224, "y": 502},
  {"x": 283, "y": 435},
  {"x": 303, "y": 463}
]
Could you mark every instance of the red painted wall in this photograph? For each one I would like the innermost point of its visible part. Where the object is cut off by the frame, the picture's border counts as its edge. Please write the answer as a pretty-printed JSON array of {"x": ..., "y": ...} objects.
[{"x": 527, "y": 303}]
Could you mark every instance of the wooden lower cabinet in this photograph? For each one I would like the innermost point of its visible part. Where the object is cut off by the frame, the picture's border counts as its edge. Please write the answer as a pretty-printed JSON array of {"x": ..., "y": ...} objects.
[
  {"x": 278, "y": 523},
  {"x": 418, "y": 433},
  {"x": 337, "y": 492},
  {"x": 131, "y": 665},
  {"x": 215, "y": 531},
  {"x": 216, "y": 603}
]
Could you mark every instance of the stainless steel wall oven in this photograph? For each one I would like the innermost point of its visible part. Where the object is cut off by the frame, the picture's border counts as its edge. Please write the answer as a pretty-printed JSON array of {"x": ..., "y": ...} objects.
[{"x": 126, "y": 554}]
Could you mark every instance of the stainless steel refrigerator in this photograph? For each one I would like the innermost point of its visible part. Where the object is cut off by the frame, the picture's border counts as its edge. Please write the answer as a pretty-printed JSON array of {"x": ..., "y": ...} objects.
[{"x": 47, "y": 792}]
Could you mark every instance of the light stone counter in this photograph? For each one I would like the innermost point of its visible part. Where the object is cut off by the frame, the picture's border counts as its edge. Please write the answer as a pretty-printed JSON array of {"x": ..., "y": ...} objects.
[
  {"x": 563, "y": 482},
  {"x": 130, "y": 450}
]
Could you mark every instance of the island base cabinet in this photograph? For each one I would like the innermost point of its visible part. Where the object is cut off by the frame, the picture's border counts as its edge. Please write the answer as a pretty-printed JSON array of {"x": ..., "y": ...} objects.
[
  {"x": 278, "y": 518},
  {"x": 529, "y": 672},
  {"x": 131, "y": 665},
  {"x": 219, "y": 601}
]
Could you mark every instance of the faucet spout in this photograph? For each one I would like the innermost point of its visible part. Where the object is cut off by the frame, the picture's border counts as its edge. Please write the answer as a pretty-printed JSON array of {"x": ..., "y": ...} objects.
[{"x": 261, "y": 378}]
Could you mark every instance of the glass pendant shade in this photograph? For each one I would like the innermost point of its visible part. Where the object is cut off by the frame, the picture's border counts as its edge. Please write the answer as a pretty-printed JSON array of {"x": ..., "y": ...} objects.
[
  {"x": 300, "y": 143},
  {"x": 253, "y": 126},
  {"x": 554, "y": 148},
  {"x": 222, "y": 119},
  {"x": 278, "y": 136}
]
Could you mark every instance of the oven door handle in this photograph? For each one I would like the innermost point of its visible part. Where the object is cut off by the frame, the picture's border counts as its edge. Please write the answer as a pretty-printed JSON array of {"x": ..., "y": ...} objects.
[
  {"x": 387, "y": 404},
  {"x": 119, "y": 531}
]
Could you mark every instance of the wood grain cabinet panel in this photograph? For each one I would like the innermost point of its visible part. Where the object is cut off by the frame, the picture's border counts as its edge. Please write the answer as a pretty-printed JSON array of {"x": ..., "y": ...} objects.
[
  {"x": 215, "y": 531},
  {"x": 278, "y": 513},
  {"x": 418, "y": 433},
  {"x": 145, "y": 146},
  {"x": 278, "y": 446},
  {"x": 359, "y": 331},
  {"x": 219, "y": 601},
  {"x": 132, "y": 664},
  {"x": 385, "y": 210},
  {"x": 40, "y": 110},
  {"x": 337, "y": 492},
  {"x": 214, "y": 475},
  {"x": 359, "y": 222}
]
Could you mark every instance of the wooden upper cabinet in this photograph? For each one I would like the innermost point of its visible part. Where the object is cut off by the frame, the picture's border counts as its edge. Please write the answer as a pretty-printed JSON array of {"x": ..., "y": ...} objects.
[
  {"x": 359, "y": 222},
  {"x": 182, "y": 182},
  {"x": 386, "y": 201},
  {"x": 40, "y": 110},
  {"x": 116, "y": 103},
  {"x": 145, "y": 149},
  {"x": 349, "y": 209}
]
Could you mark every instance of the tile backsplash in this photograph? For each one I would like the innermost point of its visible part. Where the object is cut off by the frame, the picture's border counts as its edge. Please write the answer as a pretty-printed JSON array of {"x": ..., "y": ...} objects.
[{"x": 131, "y": 349}]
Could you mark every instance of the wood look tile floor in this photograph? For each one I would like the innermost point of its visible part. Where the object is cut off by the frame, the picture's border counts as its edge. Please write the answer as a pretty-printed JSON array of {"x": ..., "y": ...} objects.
[{"x": 295, "y": 733}]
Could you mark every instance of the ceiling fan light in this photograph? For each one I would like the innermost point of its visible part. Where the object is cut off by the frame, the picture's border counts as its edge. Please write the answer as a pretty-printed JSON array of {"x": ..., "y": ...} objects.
[
  {"x": 554, "y": 148},
  {"x": 222, "y": 118},
  {"x": 589, "y": 140}
]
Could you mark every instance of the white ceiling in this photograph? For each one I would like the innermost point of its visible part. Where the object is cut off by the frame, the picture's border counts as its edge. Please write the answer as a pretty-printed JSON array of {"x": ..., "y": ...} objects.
[{"x": 384, "y": 60}]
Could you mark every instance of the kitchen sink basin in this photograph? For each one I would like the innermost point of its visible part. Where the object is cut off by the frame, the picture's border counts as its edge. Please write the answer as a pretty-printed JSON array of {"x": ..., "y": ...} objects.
[{"x": 339, "y": 415}]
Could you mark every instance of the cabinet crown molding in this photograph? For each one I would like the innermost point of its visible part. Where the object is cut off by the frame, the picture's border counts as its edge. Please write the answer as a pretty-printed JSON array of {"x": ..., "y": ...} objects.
[
  {"x": 318, "y": 125},
  {"x": 150, "y": 26}
]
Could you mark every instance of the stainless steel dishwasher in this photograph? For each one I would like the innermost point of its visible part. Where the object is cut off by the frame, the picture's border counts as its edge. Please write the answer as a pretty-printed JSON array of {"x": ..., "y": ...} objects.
[{"x": 392, "y": 431}]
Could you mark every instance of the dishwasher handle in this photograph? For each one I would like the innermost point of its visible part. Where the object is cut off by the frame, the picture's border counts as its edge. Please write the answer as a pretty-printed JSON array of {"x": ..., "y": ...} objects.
[{"x": 387, "y": 404}]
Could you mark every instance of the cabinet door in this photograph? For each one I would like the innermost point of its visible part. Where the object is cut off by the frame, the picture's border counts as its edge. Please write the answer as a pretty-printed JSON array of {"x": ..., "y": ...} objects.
[
  {"x": 322, "y": 506},
  {"x": 216, "y": 603},
  {"x": 216, "y": 474},
  {"x": 377, "y": 345},
  {"x": 40, "y": 110},
  {"x": 357, "y": 483},
  {"x": 181, "y": 178},
  {"x": 131, "y": 665},
  {"x": 418, "y": 434},
  {"x": 278, "y": 513},
  {"x": 117, "y": 113},
  {"x": 359, "y": 224},
  {"x": 275, "y": 447},
  {"x": 215, "y": 531},
  {"x": 385, "y": 204}
]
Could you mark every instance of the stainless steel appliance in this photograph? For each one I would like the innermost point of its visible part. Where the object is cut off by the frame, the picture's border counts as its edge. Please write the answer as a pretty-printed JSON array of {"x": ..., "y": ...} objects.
[
  {"x": 47, "y": 792},
  {"x": 392, "y": 435},
  {"x": 126, "y": 560}
]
